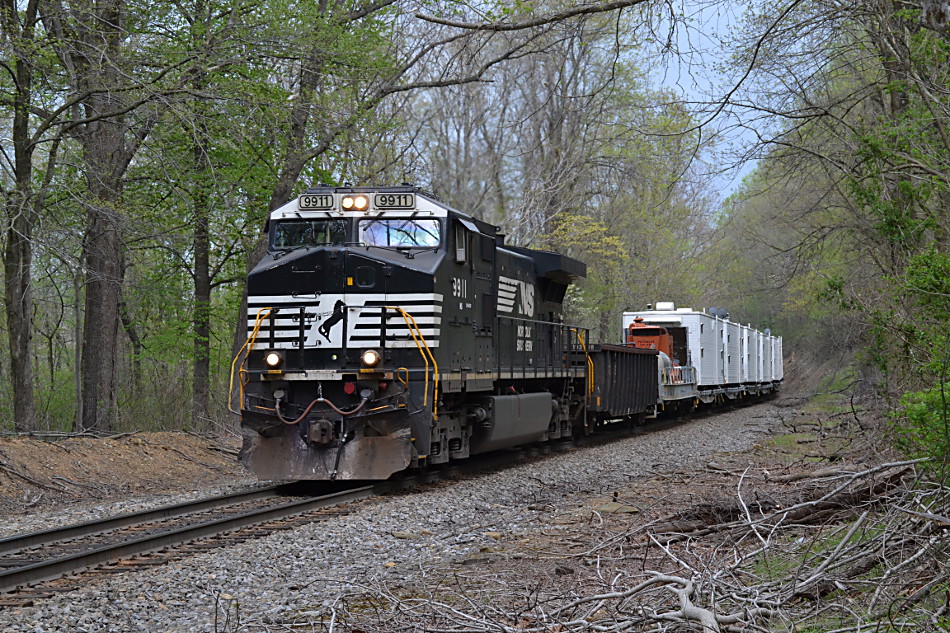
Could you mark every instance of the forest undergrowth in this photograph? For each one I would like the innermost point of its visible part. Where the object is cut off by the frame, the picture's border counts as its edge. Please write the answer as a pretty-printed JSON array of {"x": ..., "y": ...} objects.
[{"x": 819, "y": 528}]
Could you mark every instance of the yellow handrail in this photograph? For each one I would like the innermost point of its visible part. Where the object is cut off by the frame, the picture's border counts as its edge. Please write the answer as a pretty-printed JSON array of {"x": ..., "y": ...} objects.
[
  {"x": 413, "y": 328},
  {"x": 590, "y": 363},
  {"x": 262, "y": 314},
  {"x": 404, "y": 381}
]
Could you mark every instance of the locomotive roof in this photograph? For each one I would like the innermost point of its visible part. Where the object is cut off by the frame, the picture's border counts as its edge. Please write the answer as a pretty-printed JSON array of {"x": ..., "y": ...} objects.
[
  {"x": 560, "y": 268},
  {"x": 324, "y": 201}
]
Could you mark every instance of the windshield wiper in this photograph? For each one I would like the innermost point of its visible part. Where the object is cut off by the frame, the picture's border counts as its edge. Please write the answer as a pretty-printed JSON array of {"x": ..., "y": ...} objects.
[{"x": 280, "y": 252}]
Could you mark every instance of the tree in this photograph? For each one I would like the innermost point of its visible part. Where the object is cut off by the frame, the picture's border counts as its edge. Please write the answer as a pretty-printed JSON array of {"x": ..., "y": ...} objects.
[
  {"x": 570, "y": 141},
  {"x": 183, "y": 124},
  {"x": 26, "y": 59},
  {"x": 853, "y": 189}
]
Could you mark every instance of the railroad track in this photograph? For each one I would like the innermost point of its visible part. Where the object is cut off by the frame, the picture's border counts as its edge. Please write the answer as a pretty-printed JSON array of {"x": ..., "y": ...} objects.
[{"x": 40, "y": 564}]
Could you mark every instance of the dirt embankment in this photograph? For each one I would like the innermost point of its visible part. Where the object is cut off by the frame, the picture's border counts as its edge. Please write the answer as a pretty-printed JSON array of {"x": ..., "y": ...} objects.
[{"x": 37, "y": 473}]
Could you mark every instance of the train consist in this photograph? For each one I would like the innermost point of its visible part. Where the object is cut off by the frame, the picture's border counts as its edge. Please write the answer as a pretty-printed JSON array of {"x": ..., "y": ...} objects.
[{"x": 388, "y": 331}]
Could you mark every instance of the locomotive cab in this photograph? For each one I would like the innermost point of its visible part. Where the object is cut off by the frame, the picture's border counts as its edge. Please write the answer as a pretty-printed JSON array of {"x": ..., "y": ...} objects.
[
  {"x": 669, "y": 340},
  {"x": 643, "y": 336}
]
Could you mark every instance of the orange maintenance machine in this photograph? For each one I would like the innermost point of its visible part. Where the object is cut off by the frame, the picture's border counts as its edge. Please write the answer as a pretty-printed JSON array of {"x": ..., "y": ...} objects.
[{"x": 647, "y": 336}]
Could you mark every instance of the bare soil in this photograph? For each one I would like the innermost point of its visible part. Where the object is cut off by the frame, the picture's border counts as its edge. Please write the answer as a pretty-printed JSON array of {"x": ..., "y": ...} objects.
[{"x": 44, "y": 473}]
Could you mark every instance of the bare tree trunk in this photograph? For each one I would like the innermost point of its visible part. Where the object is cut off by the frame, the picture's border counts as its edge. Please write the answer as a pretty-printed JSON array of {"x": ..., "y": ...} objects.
[
  {"x": 106, "y": 158},
  {"x": 201, "y": 200},
  {"x": 21, "y": 216},
  {"x": 77, "y": 347},
  {"x": 102, "y": 253},
  {"x": 296, "y": 156},
  {"x": 202, "y": 279},
  {"x": 137, "y": 347},
  {"x": 91, "y": 44},
  {"x": 19, "y": 304}
]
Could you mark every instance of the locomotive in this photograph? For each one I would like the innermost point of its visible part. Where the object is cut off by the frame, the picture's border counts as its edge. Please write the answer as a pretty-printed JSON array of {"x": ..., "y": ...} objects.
[{"x": 387, "y": 330}]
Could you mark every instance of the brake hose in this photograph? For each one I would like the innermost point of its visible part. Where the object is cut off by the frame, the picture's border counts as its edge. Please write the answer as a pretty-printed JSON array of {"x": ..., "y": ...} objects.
[{"x": 358, "y": 408}]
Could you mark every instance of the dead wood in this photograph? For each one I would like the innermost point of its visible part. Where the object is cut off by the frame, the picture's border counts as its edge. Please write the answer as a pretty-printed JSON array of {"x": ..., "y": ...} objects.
[
  {"x": 943, "y": 523},
  {"x": 119, "y": 436},
  {"x": 16, "y": 473},
  {"x": 826, "y": 586},
  {"x": 817, "y": 474},
  {"x": 224, "y": 449},
  {"x": 74, "y": 483},
  {"x": 852, "y": 551},
  {"x": 192, "y": 459},
  {"x": 817, "y": 508}
]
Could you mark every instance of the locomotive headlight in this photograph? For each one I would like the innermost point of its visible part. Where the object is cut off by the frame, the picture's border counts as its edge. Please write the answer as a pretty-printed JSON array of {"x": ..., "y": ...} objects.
[
  {"x": 273, "y": 360},
  {"x": 370, "y": 358},
  {"x": 355, "y": 203}
]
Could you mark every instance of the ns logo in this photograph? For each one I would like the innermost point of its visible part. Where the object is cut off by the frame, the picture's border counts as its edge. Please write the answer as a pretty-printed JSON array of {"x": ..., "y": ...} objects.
[{"x": 515, "y": 296}]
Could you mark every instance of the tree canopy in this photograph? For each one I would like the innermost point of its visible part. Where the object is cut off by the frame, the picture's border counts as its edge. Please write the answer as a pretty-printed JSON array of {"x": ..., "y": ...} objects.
[{"x": 145, "y": 142}]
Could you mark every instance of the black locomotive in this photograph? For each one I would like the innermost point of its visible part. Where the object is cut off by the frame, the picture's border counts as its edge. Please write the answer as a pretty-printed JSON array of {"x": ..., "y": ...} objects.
[{"x": 387, "y": 330}]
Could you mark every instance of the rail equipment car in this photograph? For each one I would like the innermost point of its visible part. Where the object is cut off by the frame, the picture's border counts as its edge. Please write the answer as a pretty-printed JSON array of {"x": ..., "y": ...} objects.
[
  {"x": 703, "y": 356},
  {"x": 387, "y": 330}
]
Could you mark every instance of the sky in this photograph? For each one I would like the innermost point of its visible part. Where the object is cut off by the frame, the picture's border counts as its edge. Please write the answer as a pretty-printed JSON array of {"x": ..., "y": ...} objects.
[{"x": 693, "y": 72}]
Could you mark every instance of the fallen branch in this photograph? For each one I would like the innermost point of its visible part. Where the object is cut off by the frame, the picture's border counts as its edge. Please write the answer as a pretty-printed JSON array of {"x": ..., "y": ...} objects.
[
  {"x": 13, "y": 471},
  {"x": 192, "y": 459},
  {"x": 74, "y": 483},
  {"x": 811, "y": 512}
]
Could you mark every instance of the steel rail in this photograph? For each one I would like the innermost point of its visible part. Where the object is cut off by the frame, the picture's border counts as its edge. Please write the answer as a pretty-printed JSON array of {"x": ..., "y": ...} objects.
[
  {"x": 19, "y": 542},
  {"x": 57, "y": 567}
]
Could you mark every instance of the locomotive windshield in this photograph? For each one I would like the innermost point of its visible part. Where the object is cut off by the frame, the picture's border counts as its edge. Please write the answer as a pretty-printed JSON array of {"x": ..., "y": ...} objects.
[
  {"x": 290, "y": 234},
  {"x": 401, "y": 232}
]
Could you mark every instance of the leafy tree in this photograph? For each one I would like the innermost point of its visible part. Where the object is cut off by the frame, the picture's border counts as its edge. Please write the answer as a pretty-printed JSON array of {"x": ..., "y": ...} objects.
[
  {"x": 853, "y": 188},
  {"x": 26, "y": 61}
]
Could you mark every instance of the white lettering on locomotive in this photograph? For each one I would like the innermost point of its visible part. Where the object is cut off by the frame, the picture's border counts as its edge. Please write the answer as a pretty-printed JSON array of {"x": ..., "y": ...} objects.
[{"x": 460, "y": 287}]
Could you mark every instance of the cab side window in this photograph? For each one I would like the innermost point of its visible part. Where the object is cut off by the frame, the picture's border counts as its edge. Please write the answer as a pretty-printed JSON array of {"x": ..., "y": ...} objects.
[{"x": 461, "y": 243}]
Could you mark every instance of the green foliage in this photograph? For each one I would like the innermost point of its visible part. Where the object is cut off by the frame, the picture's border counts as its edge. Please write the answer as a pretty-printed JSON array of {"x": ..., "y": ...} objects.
[
  {"x": 928, "y": 276},
  {"x": 597, "y": 301},
  {"x": 211, "y": 88},
  {"x": 923, "y": 418},
  {"x": 851, "y": 203},
  {"x": 923, "y": 425}
]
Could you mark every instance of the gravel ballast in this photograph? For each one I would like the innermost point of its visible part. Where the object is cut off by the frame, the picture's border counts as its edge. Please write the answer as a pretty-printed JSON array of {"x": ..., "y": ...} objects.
[{"x": 297, "y": 576}]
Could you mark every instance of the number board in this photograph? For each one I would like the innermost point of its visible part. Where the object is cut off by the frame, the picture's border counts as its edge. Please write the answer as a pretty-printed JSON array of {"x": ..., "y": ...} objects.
[
  {"x": 315, "y": 201},
  {"x": 395, "y": 201}
]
